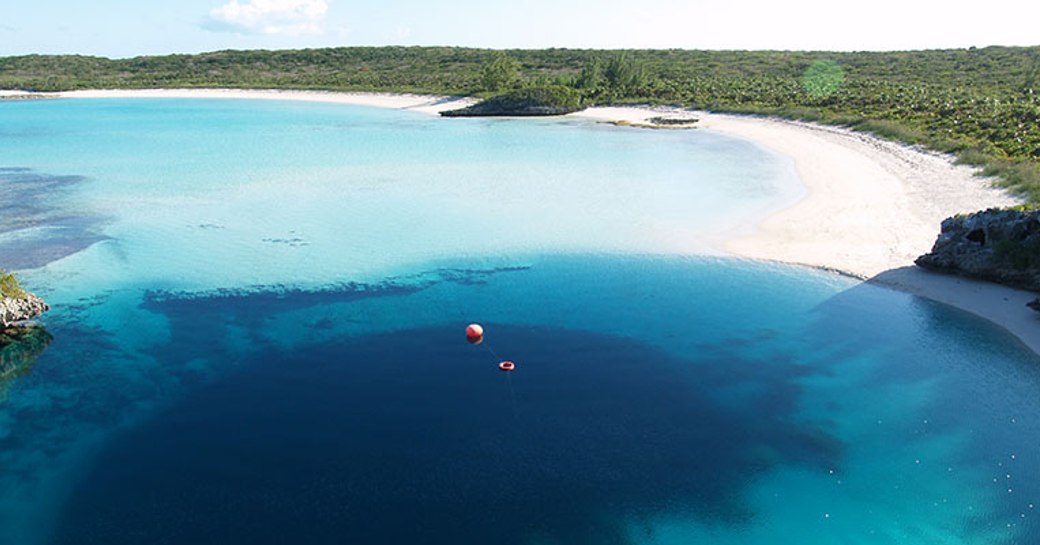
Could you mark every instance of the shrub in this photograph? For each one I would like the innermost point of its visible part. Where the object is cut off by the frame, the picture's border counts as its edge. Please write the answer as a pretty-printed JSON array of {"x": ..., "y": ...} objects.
[
  {"x": 499, "y": 73},
  {"x": 9, "y": 286},
  {"x": 556, "y": 96}
]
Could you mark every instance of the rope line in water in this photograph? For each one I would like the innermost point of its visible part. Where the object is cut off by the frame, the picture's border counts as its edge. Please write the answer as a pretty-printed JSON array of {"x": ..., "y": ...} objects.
[
  {"x": 489, "y": 349},
  {"x": 512, "y": 395},
  {"x": 475, "y": 335}
]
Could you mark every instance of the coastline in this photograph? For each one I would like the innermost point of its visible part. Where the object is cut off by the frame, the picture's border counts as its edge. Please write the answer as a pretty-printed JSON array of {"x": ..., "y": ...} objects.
[
  {"x": 432, "y": 104},
  {"x": 872, "y": 206}
]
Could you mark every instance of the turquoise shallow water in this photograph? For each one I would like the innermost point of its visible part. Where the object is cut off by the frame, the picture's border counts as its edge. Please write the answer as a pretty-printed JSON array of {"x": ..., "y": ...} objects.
[{"x": 258, "y": 338}]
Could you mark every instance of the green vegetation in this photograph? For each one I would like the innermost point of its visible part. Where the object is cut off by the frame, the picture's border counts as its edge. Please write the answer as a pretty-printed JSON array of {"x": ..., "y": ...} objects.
[
  {"x": 557, "y": 96},
  {"x": 9, "y": 286},
  {"x": 500, "y": 73},
  {"x": 623, "y": 77},
  {"x": 981, "y": 104},
  {"x": 823, "y": 78},
  {"x": 535, "y": 100},
  {"x": 1028, "y": 207}
]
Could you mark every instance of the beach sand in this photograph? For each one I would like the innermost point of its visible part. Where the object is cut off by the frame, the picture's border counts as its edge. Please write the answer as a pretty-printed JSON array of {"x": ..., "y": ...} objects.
[
  {"x": 872, "y": 206},
  {"x": 421, "y": 103}
]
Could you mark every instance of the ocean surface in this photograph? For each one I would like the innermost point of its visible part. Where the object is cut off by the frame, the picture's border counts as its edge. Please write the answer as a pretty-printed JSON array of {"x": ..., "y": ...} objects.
[{"x": 257, "y": 336}]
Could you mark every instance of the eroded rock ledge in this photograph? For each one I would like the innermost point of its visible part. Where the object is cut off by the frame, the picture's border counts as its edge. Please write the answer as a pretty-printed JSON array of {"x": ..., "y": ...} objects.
[
  {"x": 15, "y": 310},
  {"x": 998, "y": 245}
]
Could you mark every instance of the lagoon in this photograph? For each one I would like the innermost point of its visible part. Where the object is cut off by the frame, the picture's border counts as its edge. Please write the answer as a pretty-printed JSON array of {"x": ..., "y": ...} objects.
[{"x": 258, "y": 336}]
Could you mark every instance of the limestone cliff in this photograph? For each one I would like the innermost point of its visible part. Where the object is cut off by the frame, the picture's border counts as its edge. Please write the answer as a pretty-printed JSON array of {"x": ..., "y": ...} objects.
[{"x": 999, "y": 245}]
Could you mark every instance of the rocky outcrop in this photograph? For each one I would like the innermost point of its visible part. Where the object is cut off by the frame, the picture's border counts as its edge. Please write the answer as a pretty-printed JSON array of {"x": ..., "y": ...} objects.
[
  {"x": 26, "y": 96},
  {"x": 532, "y": 101},
  {"x": 659, "y": 123},
  {"x": 681, "y": 122},
  {"x": 14, "y": 310},
  {"x": 997, "y": 245},
  {"x": 501, "y": 108}
]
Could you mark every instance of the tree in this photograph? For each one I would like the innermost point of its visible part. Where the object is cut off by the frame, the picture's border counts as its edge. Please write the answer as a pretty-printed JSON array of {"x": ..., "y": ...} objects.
[
  {"x": 624, "y": 76},
  {"x": 9, "y": 286},
  {"x": 591, "y": 76},
  {"x": 499, "y": 73}
]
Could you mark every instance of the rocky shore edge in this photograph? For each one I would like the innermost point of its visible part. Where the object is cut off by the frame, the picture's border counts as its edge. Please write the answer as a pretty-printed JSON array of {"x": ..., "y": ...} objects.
[
  {"x": 997, "y": 245},
  {"x": 16, "y": 311},
  {"x": 23, "y": 94},
  {"x": 551, "y": 100},
  {"x": 660, "y": 122}
]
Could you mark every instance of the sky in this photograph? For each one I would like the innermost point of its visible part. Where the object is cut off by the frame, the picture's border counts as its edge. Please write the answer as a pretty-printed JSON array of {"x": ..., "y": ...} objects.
[{"x": 127, "y": 28}]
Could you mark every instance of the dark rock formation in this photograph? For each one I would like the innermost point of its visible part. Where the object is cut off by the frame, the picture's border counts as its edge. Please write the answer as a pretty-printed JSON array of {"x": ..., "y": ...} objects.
[
  {"x": 501, "y": 108},
  {"x": 673, "y": 121},
  {"x": 21, "y": 342},
  {"x": 19, "y": 347},
  {"x": 659, "y": 123},
  {"x": 30, "y": 96},
  {"x": 14, "y": 310},
  {"x": 997, "y": 245},
  {"x": 534, "y": 101}
]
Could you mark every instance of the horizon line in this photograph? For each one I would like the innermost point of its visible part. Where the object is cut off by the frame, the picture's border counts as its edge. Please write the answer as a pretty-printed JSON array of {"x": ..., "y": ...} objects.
[{"x": 506, "y": 49}]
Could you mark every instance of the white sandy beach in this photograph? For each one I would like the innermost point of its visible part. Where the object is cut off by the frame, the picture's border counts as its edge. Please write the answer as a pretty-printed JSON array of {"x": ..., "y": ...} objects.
[
  {"x": 872, "y": 206},
  {"x": 420, "y": 103}
]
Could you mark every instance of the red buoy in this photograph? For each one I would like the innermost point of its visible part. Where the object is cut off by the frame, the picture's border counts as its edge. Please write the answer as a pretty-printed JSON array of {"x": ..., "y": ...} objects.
[
  {"x": 507, "y": 366},
  {"x": 474, "y": 333}
]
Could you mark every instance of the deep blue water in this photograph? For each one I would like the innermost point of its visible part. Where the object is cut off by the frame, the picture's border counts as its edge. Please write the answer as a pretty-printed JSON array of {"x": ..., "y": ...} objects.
[
  {"x": 270, "y": 349},
  {"x": 416, "y": 436}
]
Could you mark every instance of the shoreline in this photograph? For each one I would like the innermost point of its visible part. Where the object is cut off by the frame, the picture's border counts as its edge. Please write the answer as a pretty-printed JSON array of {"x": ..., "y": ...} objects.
[
  {"x": 872, "y": 206},
  {"x": 432, "y": 104}
]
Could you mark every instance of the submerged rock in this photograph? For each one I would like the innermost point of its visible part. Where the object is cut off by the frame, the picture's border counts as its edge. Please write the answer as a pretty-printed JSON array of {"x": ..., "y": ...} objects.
[
  {"x": 19, "y": 349},
  {"x": 21, "y": 342},
  {"x": 999, "y": 245},
  {"x": 15, "y": 310}
]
